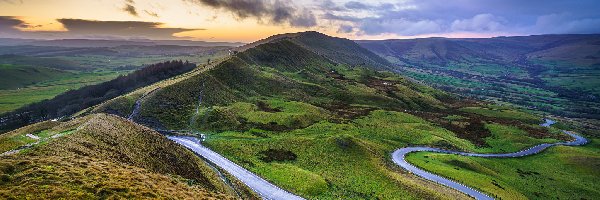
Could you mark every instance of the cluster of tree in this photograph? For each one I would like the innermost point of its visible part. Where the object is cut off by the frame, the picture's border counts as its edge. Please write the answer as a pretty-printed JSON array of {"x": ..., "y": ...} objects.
[{"x": 73, "y": 101}]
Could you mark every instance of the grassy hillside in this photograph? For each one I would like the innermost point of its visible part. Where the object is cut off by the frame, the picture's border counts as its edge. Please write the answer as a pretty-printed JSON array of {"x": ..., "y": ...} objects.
[
  {"x": 272, "y": 71},
  {"x": 73, "y": 101},
  {"x": 557, "y": 74},
  {"x": 103, "y": 156},
  {"x": 323, "y": 128}
]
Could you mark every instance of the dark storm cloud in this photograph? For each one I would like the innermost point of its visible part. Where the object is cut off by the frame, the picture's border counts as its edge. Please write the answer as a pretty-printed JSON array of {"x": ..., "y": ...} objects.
[
  {"x": 10, "y": 28},
  {"x": 355, "y": 5},
  {"x": 131, "y": 10},
  {"x": 80, "y": 28},
  {"x": 269, "y": 11},
  {"x": 10, "y": 24},
  {"x": 414, "y": 17},
  {"x": 345, "y": 29},
  {"x": 120, "y": 28},
  {"x": 329, "y": 5}
]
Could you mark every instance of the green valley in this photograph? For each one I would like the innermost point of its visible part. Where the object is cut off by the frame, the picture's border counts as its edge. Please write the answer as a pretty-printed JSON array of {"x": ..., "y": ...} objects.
[
  {"x": 324, "y": 129},
  {"x": 299, "y": 100}
]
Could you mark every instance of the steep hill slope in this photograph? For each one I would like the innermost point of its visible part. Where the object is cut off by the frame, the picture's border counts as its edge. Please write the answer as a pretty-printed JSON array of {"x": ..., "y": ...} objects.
[
  {"x": 102, "y": 156},
  {"x": 284, "y": 70}
]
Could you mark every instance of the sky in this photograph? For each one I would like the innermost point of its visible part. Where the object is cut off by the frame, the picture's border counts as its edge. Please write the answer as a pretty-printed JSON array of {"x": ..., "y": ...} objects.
[{"x": 250, "y": 20}]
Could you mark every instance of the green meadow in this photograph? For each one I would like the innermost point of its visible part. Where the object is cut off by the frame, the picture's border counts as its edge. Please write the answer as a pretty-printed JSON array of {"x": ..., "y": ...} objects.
[
  {"x": 558, "y": 173},
  {"x": 349, "y": 160},
  {"x": 332, "y": 161},
  {"x": 35, "y": 91}
]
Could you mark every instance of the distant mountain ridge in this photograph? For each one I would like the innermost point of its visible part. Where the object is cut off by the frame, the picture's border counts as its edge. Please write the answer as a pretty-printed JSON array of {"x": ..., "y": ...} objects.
[
  {"x": 111, "y": 43},
  {"x": 339, "y": 50},
  {"x": 498, "y": 48}
]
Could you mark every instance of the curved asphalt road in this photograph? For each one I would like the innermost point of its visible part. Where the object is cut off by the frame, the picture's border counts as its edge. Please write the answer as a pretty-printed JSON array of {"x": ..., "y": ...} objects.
[
  {"x": 265, "y": 189},
  {"x": 399, "y": 155}
]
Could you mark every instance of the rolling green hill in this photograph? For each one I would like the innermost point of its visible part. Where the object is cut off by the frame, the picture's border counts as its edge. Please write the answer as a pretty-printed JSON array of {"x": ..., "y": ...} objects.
[
  {"x": 285, "y": 70},
  {"x": 322, "y": 126}
]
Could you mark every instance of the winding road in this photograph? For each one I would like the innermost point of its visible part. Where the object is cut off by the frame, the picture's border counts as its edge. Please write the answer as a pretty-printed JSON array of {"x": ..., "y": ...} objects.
[
  {"x": 265, "y": 189},
  {"x": 399, "y": 156},
  {"x": 269, "y": 191}
]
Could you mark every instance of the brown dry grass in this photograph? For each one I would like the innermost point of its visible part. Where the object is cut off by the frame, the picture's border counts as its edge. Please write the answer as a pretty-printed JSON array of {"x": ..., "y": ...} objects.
[
  {"x": 79, "y": 177},
  {"x": 107, "y": 157}
]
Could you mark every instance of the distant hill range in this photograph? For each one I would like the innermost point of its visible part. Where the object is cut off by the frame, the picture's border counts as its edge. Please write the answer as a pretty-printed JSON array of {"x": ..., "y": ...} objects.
[
  {"x": 555, "y": 73},
  {"x": 580, "y": 49},
  {"x": 111, "y": 43}
]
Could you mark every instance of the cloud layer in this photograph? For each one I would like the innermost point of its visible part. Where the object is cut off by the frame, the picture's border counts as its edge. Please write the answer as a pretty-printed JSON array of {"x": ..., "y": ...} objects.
[
  {"x": 347, "y": 18},
  {"x": 266, "y": 11},
  {"x": 431, "y": 17},
  {"x": 79, "y": 28},
  {"x": 130, "y": 8},
  {"x": 11, "y": 24}
]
